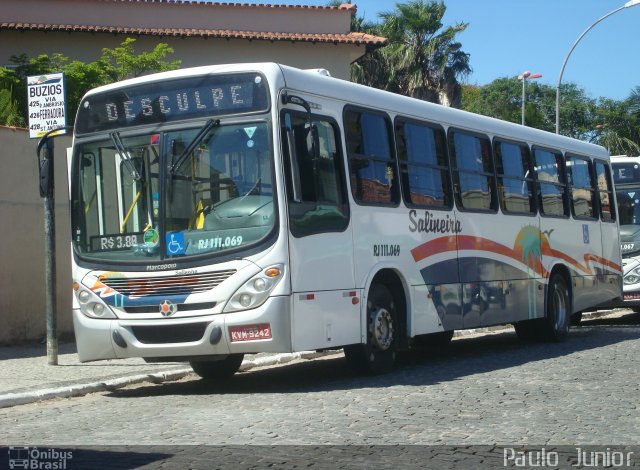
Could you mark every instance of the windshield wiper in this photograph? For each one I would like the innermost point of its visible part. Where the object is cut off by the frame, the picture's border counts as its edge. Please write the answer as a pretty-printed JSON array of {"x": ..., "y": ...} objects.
[
  {"x": 124, "y": 154},
  {"x": 210, "y": 124}
]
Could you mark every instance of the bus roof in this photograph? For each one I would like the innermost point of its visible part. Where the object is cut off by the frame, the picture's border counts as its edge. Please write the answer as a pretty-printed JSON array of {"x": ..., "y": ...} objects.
[{"x": 312, "y": 82}]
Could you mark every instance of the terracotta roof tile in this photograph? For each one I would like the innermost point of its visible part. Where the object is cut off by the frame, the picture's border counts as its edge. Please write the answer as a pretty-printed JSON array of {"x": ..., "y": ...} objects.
[
  {"x": 343, "y": 6},
  {"x": 349, "y": 38}
]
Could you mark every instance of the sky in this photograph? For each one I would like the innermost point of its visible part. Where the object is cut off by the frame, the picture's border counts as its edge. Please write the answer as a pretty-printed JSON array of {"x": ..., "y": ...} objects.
[{"x": 506, "y": 37}]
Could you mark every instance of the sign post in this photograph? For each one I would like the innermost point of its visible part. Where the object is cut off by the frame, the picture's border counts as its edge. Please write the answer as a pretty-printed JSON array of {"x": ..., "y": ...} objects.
[{"x": 47, "y": 117}]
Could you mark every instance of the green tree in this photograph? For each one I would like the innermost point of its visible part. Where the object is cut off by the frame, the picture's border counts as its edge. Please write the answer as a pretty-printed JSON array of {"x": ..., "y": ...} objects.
[
  {"x": 502, "y": 99},
  {"x": 114, "y": 64},
  {"x": 10, "y": 110},
  {"x": 422, "y": 58},
  {"x": 618, "y": 125},
  {"x": 122, "y": 62}
]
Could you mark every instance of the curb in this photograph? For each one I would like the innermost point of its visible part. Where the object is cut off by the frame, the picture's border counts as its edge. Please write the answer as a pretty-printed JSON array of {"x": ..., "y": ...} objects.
[{"x": 22, "y": 398}]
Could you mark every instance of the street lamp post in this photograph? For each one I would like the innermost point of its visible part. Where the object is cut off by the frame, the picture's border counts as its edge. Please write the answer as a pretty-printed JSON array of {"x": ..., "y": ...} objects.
[
  {"x": 524, "y": 76},
  {"x": 630, "y": 3}
]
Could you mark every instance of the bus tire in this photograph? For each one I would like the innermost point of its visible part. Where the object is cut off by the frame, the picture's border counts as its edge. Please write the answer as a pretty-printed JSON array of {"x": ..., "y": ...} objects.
[
  {"x": 558, "y": 310},
  {"x": 223, "y": 369},
  {"x": 378, "y": 355}
]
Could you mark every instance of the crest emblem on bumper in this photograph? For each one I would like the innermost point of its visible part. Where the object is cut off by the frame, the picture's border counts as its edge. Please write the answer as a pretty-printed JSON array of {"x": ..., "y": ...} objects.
[{"x": 168, "y": 308}]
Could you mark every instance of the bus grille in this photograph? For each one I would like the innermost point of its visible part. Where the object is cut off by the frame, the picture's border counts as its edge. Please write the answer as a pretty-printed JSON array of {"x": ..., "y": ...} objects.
[
  {"x": 168, "y": 285},
  {"x": 163, "y": 334}
]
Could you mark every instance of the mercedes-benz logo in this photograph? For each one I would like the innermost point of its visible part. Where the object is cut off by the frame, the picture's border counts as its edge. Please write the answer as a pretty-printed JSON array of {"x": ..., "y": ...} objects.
[{"x": 168, "y": 308}]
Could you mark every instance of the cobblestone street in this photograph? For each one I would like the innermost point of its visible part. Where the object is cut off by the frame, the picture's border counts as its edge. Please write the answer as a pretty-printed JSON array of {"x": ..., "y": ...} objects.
[{"x": 483, "y": 390}]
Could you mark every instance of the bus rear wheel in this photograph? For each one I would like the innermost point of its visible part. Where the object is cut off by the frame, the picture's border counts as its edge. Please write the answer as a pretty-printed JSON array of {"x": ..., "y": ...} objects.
[
  {"x": 558, "y": 315},
  {"x": 221, "y": 369},
  {"x": 555, "y": 324},
  {"x": 378, "y": 355}
]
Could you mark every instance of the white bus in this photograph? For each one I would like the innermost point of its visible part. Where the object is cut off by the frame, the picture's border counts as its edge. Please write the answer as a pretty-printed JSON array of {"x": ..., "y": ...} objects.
[
  {"x": 626, "y": 177},
  {"x": 226, "y": 210}
]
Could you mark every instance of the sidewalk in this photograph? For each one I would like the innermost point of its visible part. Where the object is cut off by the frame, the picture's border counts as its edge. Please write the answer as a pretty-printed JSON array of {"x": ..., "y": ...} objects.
[{"x": 25, "y": 376}]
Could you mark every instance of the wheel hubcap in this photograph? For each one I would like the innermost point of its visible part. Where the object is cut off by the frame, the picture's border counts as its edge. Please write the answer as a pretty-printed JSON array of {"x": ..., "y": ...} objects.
[{"x": 382, "y": 329}]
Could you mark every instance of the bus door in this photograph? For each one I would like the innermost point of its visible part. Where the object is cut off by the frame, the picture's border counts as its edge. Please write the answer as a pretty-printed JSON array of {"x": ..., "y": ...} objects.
[{"x": 320, "y": 241}]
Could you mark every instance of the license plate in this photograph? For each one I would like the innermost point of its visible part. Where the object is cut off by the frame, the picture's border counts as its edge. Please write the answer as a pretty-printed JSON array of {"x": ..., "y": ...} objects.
[{"x": 250, "y": 332}]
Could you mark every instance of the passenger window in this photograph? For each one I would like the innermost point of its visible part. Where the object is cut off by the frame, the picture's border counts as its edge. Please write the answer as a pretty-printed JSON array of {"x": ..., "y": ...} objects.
[
  {"x": 605, "y": 192},
  {"x": 315, "y": 178},
  {"x": 580, "y": 178},
  {"x": 424, "y": 166},
  {"x": 549, "y": 167},
  {"x": 472, "y": 171},
  {"x": 516, "y": 187},
  {"x": 374, "y": 178}
]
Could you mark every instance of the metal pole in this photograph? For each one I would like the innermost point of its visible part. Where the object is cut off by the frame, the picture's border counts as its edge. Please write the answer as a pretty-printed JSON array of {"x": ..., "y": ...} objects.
[
  {"x": 524, "y": 81},
  {"x": 564, "y": 64},
  {"x": 50, "y": 260}
]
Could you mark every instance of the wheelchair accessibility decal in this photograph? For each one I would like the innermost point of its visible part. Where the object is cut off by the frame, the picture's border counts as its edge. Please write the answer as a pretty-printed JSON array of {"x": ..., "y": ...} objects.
[{"x": 175, "y": 244}]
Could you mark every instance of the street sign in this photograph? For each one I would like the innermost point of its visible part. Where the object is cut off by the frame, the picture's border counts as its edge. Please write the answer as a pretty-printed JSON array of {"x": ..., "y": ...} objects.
[{"x": 47, "y": 110}]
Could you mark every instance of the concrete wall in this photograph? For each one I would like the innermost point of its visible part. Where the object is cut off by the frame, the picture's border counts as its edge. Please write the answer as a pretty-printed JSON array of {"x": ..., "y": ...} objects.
[
  {"x": 22, "y": 300},
  {"x": 219, "y": 15},
  {"x": 192, "y": 51}
]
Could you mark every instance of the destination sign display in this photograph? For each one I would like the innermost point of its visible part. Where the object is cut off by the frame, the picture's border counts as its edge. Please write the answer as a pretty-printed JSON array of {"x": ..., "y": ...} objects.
[{"x": 171, "y": 100}]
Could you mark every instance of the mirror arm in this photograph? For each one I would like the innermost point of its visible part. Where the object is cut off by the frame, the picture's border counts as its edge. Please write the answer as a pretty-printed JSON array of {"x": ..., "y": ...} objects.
[
  {"x": 298, "y": 101},
  {"x": 293, "y": 164}
]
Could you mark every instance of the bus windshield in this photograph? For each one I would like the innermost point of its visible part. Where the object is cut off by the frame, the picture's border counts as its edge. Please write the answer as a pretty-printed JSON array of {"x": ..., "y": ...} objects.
[
  {"x": 178, "y": 193},
  {"x": 629, "y": 205}
]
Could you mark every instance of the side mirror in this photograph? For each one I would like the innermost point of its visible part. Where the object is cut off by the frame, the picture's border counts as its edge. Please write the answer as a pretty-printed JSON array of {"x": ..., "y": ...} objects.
[{"x": 313, "y": 142}]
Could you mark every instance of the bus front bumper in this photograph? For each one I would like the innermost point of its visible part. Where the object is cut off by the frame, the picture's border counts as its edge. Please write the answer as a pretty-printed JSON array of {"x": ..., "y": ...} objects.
[{"x": 263, "y": 329}]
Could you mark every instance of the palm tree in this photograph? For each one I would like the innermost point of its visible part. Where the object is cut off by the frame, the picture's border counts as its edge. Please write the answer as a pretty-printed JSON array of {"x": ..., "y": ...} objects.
[
  {"x": 619, "y": 130},
  {"x": 422, "y": 59}
]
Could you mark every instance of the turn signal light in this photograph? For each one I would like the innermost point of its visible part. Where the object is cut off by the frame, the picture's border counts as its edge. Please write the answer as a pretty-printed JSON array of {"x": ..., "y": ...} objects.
[{"x": 272, "y": 272}]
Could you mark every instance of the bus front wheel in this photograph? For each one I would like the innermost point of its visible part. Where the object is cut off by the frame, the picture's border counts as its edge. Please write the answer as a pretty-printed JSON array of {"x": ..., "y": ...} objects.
[
  {"x": 378, "y": 355},
  {"x": 221, "y": 369}
]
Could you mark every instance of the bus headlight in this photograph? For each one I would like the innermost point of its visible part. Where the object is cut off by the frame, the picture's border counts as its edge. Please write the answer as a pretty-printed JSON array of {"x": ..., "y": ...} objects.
[
  {"x": 91, "y": 306},
  {"x": 632, "y": 277},
  {"x": 83, "y": 296},
  {"x": 256, "y": 290}
]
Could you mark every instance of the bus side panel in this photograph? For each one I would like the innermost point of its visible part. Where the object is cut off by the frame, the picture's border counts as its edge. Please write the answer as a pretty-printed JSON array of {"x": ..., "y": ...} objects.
[
  {"x": 394, "y": 238},
  {"x": 587, "y": 292},
  {"x": 499, "y": 269},
  {"x": 430, "y": 308},
  {"x": 577, "y": 245},
  {"x": 323, "y": 314},
  {"x": 610, "y": 284},
  {"x": 325, "y": 319}
]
